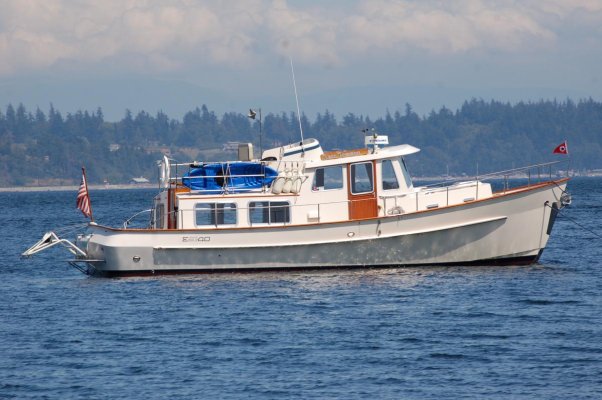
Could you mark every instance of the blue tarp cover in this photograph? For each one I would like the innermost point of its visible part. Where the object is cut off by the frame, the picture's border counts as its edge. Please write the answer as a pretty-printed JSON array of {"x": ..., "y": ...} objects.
[{"x": 232, "y": 177}]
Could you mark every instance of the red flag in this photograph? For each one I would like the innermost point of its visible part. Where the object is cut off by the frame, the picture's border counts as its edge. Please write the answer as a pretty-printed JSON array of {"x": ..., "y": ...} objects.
[
  {"x": 83, "y": 198},
  {"x": 562, "y": 148}
]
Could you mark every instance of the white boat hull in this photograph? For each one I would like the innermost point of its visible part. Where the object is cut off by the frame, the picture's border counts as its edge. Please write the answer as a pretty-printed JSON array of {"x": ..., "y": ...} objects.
[{"x": 512, "y": 228}]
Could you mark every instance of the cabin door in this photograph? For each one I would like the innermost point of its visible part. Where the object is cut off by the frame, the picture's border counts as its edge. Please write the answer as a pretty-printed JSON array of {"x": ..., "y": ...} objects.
[{"x": 361, "y": 190}]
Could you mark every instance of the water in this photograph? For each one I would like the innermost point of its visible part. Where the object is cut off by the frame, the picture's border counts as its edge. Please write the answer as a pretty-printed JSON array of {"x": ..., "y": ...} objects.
[{"x": 412, "y": 333}]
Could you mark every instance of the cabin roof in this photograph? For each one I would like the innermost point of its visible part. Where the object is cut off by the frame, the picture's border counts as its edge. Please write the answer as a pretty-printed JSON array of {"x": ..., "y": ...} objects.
[{"x": 359, "y": 155}]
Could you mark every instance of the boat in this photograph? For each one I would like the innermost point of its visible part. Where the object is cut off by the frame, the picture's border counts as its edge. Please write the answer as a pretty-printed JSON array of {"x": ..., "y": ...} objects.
[{"x": 299, "y": 207}]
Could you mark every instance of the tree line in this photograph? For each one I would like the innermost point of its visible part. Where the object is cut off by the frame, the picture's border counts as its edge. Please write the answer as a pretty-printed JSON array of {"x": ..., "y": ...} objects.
[{"x": 39, "y": 147}]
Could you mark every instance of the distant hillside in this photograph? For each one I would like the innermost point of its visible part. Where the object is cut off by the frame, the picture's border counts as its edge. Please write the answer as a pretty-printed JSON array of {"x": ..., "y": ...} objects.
[{"x": 38, "y": 148}]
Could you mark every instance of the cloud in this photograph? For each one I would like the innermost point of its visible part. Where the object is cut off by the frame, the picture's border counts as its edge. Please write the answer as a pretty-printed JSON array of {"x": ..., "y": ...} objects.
[
  {"x": 173, "y": 35},
  {"x": 310, "y": 37},
  {"x": 159, "y": 34},
  {"x": 445, "y": 29}
]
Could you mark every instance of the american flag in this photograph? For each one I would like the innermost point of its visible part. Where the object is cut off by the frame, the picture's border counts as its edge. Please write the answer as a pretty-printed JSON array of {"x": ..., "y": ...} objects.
[{"x": 83, "y": 198}]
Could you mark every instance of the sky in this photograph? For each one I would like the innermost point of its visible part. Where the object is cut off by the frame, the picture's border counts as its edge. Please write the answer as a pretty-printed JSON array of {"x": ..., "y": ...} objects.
[{"x": 366, "y": 57}]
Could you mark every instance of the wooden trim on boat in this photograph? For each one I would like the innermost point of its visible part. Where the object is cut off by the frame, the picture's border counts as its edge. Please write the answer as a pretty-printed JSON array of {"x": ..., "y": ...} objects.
[
  {"x": 362, "y": 205},
  {"x": 336, "y": 154}
]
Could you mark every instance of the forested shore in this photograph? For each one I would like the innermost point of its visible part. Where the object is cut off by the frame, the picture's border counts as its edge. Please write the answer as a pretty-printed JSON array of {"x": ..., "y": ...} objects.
[{"x": 46, "y": 148}]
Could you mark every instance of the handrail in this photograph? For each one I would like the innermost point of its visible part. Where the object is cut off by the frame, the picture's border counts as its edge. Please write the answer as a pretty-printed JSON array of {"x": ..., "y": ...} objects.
[
  {"x": 175, "y": 177},
  {"x": 127, "y": 221},
  {"x": 507, "y": 173},
  {"x": 226, "y": 175},
  {"x": 527, "y": 168},
  {"x": 452, "y": 185}
]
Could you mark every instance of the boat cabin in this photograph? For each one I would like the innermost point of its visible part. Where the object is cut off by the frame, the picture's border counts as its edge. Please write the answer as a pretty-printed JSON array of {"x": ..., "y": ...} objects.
[{"x": 300, "y": 184}]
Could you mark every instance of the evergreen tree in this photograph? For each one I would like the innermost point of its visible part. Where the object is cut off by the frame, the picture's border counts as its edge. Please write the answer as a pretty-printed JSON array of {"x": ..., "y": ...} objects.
[{"x": 497, "y": 135}]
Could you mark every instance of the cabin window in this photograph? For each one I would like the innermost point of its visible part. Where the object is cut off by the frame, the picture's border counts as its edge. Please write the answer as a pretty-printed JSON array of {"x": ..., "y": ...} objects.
[
  {"x": 328, "y": 178},
  {"x": 362, "y": 178},
  {"x": 269, "y": 212},
  {"x": 389, "y": 178},
  {"x": 215, "y": 214},
  {"x": 406, "y": 174}
]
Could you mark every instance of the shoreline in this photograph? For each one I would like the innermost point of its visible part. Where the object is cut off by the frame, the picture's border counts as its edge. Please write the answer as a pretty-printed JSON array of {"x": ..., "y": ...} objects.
[{"x": 75, "y": 188}]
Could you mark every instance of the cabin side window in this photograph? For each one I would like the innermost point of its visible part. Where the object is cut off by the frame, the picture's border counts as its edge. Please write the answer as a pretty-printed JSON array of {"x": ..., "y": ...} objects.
[
  {"x": 328, "y": 178},
  {"x": 406, "y": 173},
  {"x": 207, "y": 214},
  {"x": 269, "y": 212},
  {"x": 389, "y": 179},
  {"x": 362, "y": 178}
]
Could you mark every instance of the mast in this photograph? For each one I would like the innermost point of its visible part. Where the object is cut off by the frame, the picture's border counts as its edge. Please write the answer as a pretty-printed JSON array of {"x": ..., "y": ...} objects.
[{"x": 297, "y": 100}]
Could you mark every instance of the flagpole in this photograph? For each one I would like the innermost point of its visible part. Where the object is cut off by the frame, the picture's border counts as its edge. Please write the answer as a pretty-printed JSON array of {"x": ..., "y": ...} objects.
[
  {"x": 88, "y": 194},
  {"x": 568, "y": 167}
]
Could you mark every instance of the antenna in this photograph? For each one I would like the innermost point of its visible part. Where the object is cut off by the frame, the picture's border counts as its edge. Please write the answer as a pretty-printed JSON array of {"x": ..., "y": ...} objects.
[{"x": 297, "y": 100}]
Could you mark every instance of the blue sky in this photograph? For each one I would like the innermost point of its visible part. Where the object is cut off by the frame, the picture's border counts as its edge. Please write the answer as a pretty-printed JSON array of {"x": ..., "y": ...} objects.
[{"x": 365, "y": 57}]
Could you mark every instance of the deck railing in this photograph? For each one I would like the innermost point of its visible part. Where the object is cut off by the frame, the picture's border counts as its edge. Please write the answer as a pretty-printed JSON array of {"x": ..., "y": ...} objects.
[
  {"x": 177, "y": 171},
  {"x": 543, "y": 170},
  {"x": 501, "y": 182}
]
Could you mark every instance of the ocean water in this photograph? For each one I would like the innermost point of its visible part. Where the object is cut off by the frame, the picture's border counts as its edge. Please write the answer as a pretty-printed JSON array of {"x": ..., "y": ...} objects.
[{"x": 530, "y": 332}]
